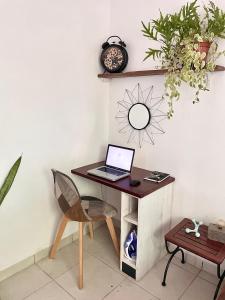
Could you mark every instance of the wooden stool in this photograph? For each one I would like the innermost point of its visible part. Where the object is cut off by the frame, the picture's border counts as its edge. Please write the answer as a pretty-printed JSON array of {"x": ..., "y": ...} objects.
[{"x": 202, "y": 246}]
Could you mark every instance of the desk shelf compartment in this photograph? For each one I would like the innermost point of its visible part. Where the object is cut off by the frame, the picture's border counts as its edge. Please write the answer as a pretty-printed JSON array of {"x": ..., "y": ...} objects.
[
  {"x": 132, "y": 217},
  {"x": 129, "y": 262},
  {"x": 127, "y": 266},
  {"x": 129, "y": 210},
  {"x": 129, "y": 221},
  {"x": 128, "y": 227},
  {"x": 151, "y": 215}
]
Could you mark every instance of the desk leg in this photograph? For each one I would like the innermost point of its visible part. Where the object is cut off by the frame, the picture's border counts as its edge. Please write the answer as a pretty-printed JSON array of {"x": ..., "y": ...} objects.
[
  {"x": 173, "y": 253},
  {"x": 220, "y": 282}
]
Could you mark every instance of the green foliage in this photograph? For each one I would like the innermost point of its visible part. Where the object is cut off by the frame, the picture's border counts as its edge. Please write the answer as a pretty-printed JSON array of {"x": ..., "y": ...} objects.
[
  {"x": 178, "y": 36},
  {"x": 170, "y": 29},
  {"x": 9, "y": 179},
  {"x": 215, "y": 20}
]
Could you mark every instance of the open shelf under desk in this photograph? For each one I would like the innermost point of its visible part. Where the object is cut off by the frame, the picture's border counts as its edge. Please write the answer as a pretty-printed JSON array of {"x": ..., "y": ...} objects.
[
  {"x": 129, "y": 262},
  {"x": 132, "y": 217}
]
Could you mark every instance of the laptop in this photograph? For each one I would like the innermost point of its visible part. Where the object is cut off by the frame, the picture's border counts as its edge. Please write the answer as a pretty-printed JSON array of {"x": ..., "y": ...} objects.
[{"x": 118, "y": 163}]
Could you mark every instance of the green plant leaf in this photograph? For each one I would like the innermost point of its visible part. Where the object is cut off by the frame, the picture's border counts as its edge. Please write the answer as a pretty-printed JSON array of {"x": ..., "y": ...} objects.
[
  {"x": 155, "y": 53},
  {"x": 9, "y": 180}
]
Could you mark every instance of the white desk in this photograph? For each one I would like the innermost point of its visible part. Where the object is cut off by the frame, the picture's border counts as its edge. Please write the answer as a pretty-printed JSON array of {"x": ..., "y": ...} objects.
[{"x": 148, "y": 207}]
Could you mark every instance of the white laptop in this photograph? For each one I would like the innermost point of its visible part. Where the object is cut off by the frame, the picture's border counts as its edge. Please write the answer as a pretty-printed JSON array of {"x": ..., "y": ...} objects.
[{"x": 118, "y": 163}]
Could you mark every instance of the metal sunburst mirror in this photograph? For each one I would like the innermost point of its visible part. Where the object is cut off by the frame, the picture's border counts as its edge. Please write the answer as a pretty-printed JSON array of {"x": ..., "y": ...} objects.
[{"x": 139, "y": 115}]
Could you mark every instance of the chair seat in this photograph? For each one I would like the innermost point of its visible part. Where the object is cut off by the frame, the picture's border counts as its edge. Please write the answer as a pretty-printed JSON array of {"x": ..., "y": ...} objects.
[{"x": 96, "y": 208}]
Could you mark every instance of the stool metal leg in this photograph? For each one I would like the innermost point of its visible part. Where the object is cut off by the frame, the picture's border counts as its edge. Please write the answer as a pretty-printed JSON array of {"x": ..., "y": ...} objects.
[
  {"x": 173, "y": 253},
  {"x": 182, "y": 260},
  {"x": 167, "y": 248},
  {"x": 218, "y": 285},
  {"x": 218, "y": 272}
]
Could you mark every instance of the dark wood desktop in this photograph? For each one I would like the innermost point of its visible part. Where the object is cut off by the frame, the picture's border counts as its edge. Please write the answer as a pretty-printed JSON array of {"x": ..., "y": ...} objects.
[{"x": 145, "y": 188}]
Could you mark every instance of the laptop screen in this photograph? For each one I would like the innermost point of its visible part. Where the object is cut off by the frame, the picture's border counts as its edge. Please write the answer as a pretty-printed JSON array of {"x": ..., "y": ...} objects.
[{"x": 120, "y": 157}]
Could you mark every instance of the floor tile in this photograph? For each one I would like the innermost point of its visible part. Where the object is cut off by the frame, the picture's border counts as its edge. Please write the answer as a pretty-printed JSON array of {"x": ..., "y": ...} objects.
[
  {"x": 129, "y": 290},
  {"x": 102, "y": 277},
  {"x": 99, "y": 280},
  {"x": 209, "y": 277},
  {"x": 102, "y": 247},
  {"x": 177, "y": 281},
  {"x": 188, "y": 267},
  {"x": 65, "y": 259},
  {"x": 199, "y": 290},
  {"x": 49, "y": 292},
  {"x": 23, "y": 283}
]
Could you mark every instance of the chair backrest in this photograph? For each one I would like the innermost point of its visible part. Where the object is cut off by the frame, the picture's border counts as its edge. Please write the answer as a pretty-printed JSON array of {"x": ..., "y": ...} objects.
[{"x": 68, "y": 197}]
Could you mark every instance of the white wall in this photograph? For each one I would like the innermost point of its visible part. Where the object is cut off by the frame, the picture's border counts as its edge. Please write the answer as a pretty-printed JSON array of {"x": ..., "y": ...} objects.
[
  {"x": 53, "y": 108},
  {"x": 192, "y": 149},
  {"x": 51, "y": 100}
]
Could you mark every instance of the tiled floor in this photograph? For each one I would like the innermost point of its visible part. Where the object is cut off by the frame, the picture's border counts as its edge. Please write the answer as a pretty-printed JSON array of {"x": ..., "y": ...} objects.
[{"x": 57, "y": 279}]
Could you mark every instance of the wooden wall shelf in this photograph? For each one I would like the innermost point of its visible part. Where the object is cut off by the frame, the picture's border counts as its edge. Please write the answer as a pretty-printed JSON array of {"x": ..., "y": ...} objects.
[{"x": 144, "y": 73}]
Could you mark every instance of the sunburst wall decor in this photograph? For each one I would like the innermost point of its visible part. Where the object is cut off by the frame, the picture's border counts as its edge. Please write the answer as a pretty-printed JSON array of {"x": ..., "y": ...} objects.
[{"x": 139, "y": 115}]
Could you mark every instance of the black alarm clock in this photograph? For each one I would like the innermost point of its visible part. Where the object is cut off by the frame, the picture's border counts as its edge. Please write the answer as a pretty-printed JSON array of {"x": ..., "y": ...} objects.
[{"x": 114, "y": 57}]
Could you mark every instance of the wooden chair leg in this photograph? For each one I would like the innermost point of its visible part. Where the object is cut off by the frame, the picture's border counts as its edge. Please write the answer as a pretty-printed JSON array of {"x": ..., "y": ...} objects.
[
  {"x": 113, "y": 235},
  {"x": 91, "y": 232},
  {"x": 80, "y": 255},
  {"x": 61, "y": 229}
]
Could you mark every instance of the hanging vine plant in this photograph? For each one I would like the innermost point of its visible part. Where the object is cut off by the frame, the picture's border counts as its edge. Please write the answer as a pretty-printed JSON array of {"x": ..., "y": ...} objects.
[{"x": 188, "y": 47}]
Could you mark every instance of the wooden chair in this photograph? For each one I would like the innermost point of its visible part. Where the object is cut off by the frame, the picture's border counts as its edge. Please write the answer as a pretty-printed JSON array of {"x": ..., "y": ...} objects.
[{"x": 83, "y": 209}]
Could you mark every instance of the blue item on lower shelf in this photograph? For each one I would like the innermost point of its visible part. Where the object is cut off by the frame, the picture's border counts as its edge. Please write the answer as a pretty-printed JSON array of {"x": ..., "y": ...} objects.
[{"x": 130, "y": 245}]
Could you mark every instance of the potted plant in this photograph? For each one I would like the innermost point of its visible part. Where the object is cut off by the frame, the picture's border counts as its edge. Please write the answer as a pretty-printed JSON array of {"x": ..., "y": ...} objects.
[
  {"x": 9, "y": 180},
  {"x": 188, "y": 47}
]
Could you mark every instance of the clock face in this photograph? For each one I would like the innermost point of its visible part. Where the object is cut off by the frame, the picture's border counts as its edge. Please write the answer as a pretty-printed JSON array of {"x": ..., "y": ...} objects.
[{"x": 113, "y": 58}]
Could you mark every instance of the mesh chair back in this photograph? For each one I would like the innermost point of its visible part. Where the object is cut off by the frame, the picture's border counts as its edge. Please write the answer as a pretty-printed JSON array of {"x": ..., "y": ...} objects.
[{"x": 68, "y": 197}]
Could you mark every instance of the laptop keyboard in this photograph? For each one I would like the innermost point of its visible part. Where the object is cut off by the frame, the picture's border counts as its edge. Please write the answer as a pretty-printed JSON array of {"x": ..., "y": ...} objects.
[{"x": 111, "y": 171}]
